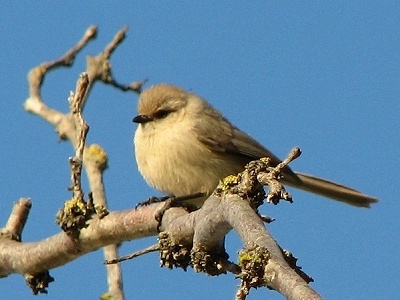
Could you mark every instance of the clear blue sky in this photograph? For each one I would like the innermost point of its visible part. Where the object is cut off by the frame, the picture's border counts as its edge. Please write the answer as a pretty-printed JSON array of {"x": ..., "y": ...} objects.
[{"x": 324, "y": 76}]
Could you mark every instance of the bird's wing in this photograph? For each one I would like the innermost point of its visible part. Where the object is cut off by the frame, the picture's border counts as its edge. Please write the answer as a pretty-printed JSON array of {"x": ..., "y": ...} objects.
[{"x": 229, "y": 139}]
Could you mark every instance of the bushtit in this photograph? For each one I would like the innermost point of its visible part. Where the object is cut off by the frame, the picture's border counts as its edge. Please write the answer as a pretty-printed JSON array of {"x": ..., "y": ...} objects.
[{"x": 184, "y": 146}]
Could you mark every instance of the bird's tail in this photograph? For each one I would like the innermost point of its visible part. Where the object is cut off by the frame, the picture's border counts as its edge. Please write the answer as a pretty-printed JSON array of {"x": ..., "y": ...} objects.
[{"x": 332, "y": 190}]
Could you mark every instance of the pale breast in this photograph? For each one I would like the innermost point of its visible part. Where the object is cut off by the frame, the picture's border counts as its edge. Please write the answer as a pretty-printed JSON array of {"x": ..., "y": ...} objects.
[{"x": 175, "y": 163}]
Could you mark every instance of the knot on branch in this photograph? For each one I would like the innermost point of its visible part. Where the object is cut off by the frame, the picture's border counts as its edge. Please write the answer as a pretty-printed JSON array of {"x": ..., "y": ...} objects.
[
  {"x": 173, "y": 254},
  {"x": 211, "y": 263},
  {"x": 39, "y": 282},
  {"x": 73, "y": 216},
  {"x": 253, "y": 262},
  {"x": 9, "y": 235},
  {"x": 244, "y": 185},
  {"x": 64, "y": 127},
  {"x": 271, "y": 176},
  {"x": 177, "y": 255},
  {"x": 258, "y": 173}
]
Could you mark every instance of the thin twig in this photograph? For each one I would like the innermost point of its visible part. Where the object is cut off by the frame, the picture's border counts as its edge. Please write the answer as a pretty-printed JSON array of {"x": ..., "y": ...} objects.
[
  {"x": 37, "y": 74},
  {"x": 150, "y": 249},
  {"x": 68, "y": 58},
  {"x": 293, "y": 154},
  {"x": 75, "y": 101},
  {"x": 118, "y": 39}
]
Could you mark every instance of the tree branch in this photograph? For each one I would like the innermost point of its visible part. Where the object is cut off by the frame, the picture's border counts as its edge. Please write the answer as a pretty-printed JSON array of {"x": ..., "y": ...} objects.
[
  {"x": 57, "y": 250},
  {"x": 232, "y": 206},
  {"x": 17, "y": 220},
  {"x": 201, "y": 232}
]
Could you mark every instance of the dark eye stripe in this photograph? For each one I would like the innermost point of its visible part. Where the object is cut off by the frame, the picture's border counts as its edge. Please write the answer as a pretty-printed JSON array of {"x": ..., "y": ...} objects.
[{"x": 162, "y": 113}]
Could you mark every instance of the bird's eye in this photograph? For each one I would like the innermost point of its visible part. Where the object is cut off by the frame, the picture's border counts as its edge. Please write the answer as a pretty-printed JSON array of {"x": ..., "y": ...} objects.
[{"x": 162, "y": 113}]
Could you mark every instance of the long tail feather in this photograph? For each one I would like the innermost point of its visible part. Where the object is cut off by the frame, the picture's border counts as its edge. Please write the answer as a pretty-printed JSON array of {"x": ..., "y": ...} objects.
[{"x": 332, "y": 190}]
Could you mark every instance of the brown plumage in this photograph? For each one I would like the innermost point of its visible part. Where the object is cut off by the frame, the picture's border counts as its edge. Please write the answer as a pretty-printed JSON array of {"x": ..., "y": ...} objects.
[{"x": 183, "y": 146}]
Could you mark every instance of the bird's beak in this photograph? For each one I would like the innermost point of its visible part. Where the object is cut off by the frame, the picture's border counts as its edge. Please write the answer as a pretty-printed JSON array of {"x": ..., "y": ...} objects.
[{"x": 142, "y": 119}]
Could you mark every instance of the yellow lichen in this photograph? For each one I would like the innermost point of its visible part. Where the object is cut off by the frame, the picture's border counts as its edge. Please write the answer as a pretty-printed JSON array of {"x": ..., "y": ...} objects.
[{"x": 97, "y": 155}]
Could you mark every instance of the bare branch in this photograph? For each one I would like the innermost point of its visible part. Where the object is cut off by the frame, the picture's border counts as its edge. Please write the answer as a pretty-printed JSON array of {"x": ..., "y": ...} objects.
[
  {"x": 138, "y": 253},
  {"x": 68, "y": 127},
  {"x": 36, "y": 75},
  {"x": 196, "y": 239},
  {"x": 99, "y": 67},
  {"x": 118, "y": 39},
  {"x": 76, "y": 100},
  {"x": 55, "y": 251},
  {"x": 17, "y": 220}
]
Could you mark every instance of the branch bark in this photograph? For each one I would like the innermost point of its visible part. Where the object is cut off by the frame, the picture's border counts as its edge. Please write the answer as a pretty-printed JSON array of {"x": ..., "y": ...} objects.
[{"x": 57, "y": 250}]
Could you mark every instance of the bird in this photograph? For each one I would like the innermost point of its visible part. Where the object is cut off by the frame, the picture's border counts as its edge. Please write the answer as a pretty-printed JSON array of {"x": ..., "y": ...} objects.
[{"x": 184, "y": 146}]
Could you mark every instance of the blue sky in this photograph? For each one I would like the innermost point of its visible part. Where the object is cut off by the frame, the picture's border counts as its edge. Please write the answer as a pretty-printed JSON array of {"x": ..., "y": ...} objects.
[{"x": 324, "y": 76}]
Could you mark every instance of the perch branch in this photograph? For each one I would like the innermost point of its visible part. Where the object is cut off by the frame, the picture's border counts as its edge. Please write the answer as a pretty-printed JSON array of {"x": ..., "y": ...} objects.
[
  {"x": 229, "y": 208},
  {"x": 57, "y": 250},
  {"x": 202, "y": 231}
]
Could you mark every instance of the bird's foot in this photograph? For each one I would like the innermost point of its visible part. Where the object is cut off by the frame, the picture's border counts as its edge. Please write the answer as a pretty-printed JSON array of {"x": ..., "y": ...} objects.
[
  {"x": 152, "y": 200},
  {"x": 168, "y": 202}
]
